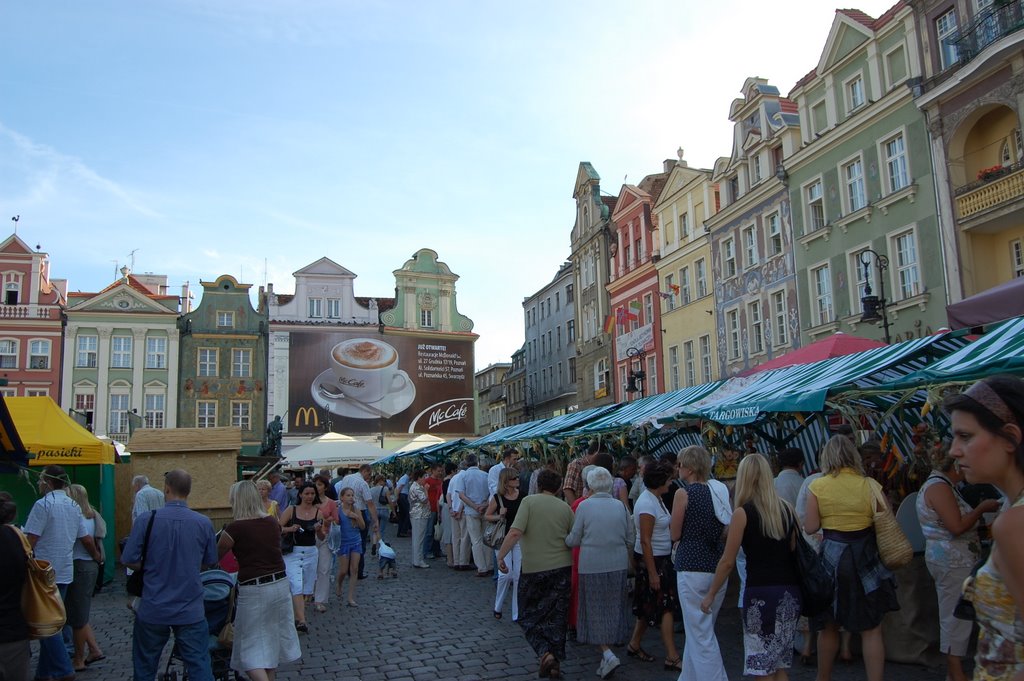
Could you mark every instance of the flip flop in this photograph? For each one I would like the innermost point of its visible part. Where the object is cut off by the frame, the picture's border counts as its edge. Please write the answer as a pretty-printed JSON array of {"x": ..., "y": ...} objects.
[{"x": 97, "y": 658}]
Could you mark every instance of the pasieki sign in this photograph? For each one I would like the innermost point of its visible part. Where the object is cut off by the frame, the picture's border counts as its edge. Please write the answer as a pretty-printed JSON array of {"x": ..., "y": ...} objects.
[{"x": 365, "y": 382}]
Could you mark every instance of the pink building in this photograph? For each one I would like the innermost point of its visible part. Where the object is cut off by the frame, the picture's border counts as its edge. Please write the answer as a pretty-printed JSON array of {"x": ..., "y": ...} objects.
[{"x": 31, "y": 326}]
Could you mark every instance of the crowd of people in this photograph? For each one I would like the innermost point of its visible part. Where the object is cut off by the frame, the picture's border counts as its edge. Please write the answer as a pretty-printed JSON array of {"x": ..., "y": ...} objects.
[{"x": 599, "y": 555}]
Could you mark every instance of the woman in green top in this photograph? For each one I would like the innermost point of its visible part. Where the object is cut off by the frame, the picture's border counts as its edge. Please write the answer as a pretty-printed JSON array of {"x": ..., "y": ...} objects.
[{"x": 542, "y": 523}]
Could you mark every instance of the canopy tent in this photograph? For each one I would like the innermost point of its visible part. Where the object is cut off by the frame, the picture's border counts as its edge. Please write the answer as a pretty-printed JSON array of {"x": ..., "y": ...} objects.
[
  {"x": 434, "y": 452},
  {"x": 805, "y": 388},
  {"x": 1001, "y": 350},
  {"x": 332, "y": 450},
  {"x": 641, "y": 411},
  {"x": 53, "y": 436},
  {"x": 12, "y": 451},
  {"x": 836, "y": 345},
  {"x": 558, "y": 425},
  {"x": 418, "y": 442},
  {"x": 997, "y": 304},
  {"x": 506, "y": 434}
]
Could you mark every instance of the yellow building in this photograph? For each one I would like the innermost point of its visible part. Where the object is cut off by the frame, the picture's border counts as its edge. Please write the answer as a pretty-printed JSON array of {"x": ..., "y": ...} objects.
[{"x": 683, "y": 262}]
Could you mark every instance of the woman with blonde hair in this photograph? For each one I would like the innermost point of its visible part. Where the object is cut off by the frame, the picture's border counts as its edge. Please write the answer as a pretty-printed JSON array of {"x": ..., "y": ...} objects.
[
  {"x": 269, "y": 505},
  {"x": 765, "y": 527},
  {"x": 263, "y": 601},
  {"x": 842, "y": 504},
  {"x": 503, "y": 507},
  {"x": 696, "y": 527},
  {"x": 83, "y": 585}
]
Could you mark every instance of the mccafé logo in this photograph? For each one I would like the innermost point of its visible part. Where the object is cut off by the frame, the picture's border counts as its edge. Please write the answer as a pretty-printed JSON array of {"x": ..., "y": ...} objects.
[
  {"x": 307, "y": 414},
  {"x": 443, "y": 412}
]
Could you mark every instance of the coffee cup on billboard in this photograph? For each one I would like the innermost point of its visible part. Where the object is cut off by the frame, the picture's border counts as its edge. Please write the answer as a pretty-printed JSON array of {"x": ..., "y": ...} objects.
[{"x": 366, "y": 369}]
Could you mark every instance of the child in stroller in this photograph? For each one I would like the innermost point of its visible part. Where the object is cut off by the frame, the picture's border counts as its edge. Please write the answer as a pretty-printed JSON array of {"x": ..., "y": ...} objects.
[{"x": 217, "y": 587}]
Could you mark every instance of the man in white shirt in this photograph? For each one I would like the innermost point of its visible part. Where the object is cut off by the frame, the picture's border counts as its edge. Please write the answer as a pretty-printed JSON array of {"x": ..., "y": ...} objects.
[
  {"x": 147, "y": 498},
  {"x": 460, "y": 537},
  {"x": 54, "y": 524},
  {"x": 365, "y": 504},
  {"x": 508, "y": 459},
  {"x": 789, "y": 479},
  {"x": 474, "y": 495}
]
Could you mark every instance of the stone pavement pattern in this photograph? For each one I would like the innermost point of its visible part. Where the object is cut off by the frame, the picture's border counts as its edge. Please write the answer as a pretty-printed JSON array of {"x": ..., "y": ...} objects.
[{"x": 437, "y": 624}]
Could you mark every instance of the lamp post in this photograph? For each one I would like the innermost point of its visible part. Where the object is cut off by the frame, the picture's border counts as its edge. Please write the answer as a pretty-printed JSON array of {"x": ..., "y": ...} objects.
[
  {"x": 636, "y": 376},
  {"x": 873, "y": 306}
]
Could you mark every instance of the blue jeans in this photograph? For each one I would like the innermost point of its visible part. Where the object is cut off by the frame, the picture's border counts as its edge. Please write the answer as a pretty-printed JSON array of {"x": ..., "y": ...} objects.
[
  {"x": 428, "y": 537},
  {"x": 193, "y": 642},
  {"x": 54, "y": 660}
]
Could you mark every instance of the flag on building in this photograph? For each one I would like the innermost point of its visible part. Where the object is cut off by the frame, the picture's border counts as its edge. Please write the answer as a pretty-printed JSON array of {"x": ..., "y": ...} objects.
[
  {"x": 634, "y": 308},
  {"x": 675, "y": 288},
  {"x": 609, "y": 324}
]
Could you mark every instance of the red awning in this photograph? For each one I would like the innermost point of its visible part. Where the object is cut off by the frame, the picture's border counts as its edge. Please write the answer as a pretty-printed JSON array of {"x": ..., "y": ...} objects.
[{"x": 836, "y": 345}]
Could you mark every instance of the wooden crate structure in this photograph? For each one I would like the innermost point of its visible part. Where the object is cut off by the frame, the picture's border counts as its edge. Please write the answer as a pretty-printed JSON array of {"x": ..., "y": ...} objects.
[{"x": 210, "y": 455}]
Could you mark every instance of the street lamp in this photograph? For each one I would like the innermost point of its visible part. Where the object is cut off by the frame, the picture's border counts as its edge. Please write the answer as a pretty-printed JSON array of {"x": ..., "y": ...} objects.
[
  {"x": 874, "y": 306},
  {"x": 637, "y": 376}
]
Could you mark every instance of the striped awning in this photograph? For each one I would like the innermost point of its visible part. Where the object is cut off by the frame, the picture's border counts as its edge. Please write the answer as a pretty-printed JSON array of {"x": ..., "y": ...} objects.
[
  {"x": 639, "y": 412},
  {"x": 999, "y": 351},
  {"x": 805, "y": 387},
  {"x": 545, "y": 427},
  {"x": 436, "y": 451}
]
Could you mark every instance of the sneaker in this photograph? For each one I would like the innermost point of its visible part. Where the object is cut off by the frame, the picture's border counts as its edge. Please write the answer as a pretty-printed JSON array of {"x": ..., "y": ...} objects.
[{"x": 605, "y": 669}]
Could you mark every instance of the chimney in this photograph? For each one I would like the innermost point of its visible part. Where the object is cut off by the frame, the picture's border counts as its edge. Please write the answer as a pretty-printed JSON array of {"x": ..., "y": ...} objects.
[
  {"x": 668, "y": 164},
  {"x": 186, "y": 298}
]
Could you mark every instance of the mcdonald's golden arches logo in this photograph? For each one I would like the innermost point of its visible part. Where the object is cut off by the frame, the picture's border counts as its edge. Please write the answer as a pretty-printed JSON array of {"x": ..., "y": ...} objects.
[{"x": 307, "y": 414}]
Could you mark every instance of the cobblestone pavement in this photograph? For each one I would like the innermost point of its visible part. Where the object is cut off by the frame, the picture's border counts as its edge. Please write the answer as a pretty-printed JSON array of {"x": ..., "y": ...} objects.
[{"x": 437, "y": 624}]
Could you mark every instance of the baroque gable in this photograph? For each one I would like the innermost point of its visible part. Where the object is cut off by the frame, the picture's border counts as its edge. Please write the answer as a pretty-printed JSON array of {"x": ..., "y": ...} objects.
[
  {"x": 845, "y": 37},
  {"x": 122, "y": 298},
  {"x": 324, "y": 267}
]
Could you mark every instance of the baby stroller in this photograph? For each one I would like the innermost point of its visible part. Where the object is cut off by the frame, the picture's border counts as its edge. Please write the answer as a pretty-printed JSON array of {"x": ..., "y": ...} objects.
[{"x": 217, "y": 586}]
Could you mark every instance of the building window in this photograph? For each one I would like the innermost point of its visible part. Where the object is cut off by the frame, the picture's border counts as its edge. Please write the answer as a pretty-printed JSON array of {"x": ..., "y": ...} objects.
[
  {"x": 241, "y": 362},
  {"x": 908, "y": 277},
  {"x": 750, "y": 254},
  {"x": 155, "y": 408},
  {"x": 853, "y": 175},
  {"x": 895, "y": 67},
  {"x": 87, "y": 352},
  {"x": 729, "y": 258},
  {"x": 652, "y": 376},
  {"x": 37, "y": 392},
  {"x": 316, "y": 308},
  {"x": 207, "y": 362},
  {"x": 1017, "y": 257},
  {"x": 568, "y": 294},
  {"x": 684, "y": 285},
  {"x": 734, "y": 189},
  {"x": 774, "y": 234},
  {"x": 206, "y": 414},
  {"x": 648, "y": 308},
  {"x": 673, "y": 367},
  {"x": 690, "y": 362},
  {"x": 755, "y": 327},
  {"x": 945, "y": 32},
  {"x": 623, "y": 395},
  {"x": 855, "y": 93},
  {"x": 815, "y": 206},
  {"x": 572, "y": 370},
  {"x": 702, "y": 278},
  {"x": 225, "y": 319},
  {"x": 732, "y": 319},
  {"x": 156, "y": 352},
  {"x": 241, "y": 414},
  {"x": 896, "y": 162},
  {"x": 334, "y": 308},
  {"x": 601, "y": 374},
  {"x": 8, "y": 354},
  {"x": 85, "y": 404},
  {"x": 118, "y": 415},
  {"x": 819, "y": 118},
  {"x": 684, "y": 226},
  {"x": 12, "y": 292},
  {"x": 755, "y": 169},
  {"x": 121, "y": 352},
  {"x": 427, "y": 319},
  {"x": 570, "y": 331},
  {"x": 778, "y": 300},
  {"x": 39, "y": 354},
  {"x": 670, "y": 288},
  {"x": 821, "y": 282},
  {"x": 705, "y": 359}
]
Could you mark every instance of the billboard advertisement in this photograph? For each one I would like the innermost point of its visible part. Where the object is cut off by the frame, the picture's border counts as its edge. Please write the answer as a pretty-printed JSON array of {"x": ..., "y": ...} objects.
[{"x": 361, "y": 382}]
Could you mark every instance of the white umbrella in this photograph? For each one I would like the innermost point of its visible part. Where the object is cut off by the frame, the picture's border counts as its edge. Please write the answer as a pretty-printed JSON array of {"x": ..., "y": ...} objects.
[
  {"x": 418, "y": 442},
  {"x": 332, "y": 450}
]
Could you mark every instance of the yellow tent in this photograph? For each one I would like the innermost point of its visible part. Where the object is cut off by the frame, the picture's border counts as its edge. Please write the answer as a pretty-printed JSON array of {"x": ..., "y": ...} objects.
[{"x": 51, "y": 436}]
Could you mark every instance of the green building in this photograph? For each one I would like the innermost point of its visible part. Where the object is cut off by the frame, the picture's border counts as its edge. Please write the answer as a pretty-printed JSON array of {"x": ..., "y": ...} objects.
[
  {"x": 223, "y": 363},
  {"x": 862, "y": 181}
]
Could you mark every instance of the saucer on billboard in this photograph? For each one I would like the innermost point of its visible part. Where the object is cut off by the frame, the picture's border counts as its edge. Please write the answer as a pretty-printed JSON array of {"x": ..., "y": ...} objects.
[{"x": 330, "y": 396}]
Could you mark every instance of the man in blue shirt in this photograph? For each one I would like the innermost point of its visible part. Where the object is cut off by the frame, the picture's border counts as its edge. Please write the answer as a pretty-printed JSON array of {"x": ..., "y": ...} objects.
[
  {"x": 278, "y": 491},
  {"x": 180, "y": 544}
]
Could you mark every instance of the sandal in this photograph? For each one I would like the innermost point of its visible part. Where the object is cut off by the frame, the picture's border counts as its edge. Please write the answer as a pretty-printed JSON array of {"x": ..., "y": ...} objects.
[
  {"x": 301, "y": 627},
  {"x": 675, "y": 665},
  {"x": 320, "y": 607},
  {"x": 497, "y": 614},
  {"x": 94, "y": 659},
  {"x": 548, "y": 663},
  {"x": 640, "y": 654}
]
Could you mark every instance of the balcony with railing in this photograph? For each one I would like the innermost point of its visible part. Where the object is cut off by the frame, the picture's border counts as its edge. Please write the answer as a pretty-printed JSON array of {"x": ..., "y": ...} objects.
[
  {"x": 29, "y": 311},
  {"x": 1002, "y": 18},
  {"x": 1000, "y": 189}
]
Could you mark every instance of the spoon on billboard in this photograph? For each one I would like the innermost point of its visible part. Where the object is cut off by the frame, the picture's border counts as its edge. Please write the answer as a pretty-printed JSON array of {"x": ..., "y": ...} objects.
[{"x": 335, "y": 393}]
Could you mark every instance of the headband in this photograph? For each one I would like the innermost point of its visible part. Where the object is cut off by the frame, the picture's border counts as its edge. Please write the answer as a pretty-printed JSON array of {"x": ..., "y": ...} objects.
[{"x": 984, "y": 395}]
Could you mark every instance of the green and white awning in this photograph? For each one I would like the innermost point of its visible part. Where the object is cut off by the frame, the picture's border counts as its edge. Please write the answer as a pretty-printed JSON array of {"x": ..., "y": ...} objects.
[
  {"x": 558, "y": 425},
  {"x": 645, "y": 410},
  {"x": 1000, "y": 351},
  {"x": 805, "y": 387}
]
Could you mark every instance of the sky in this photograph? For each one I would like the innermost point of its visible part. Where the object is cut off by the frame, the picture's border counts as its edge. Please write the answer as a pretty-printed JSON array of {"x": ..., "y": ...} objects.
[{"x": 194, "y": 138}]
